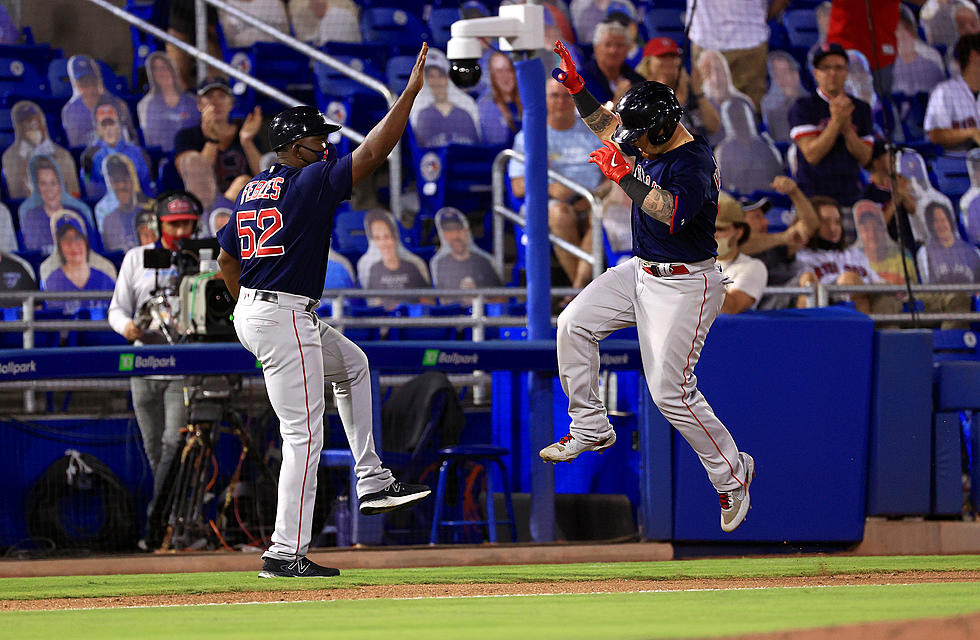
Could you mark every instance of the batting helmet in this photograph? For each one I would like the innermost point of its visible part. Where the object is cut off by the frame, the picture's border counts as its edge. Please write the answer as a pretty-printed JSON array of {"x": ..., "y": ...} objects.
[
  {"x": 650, "y": 107},
  {"x": 296, "y": 123}
]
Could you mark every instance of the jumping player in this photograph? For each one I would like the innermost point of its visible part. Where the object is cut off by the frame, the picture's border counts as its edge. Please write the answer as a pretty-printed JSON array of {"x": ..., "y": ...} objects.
[
  {"x": 671, "y": 289},
  {"x": 273, "y": 259}
]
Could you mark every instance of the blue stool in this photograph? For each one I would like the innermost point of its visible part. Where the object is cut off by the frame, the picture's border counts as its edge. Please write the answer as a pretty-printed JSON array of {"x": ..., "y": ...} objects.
[{"x": 489, "y": 456}]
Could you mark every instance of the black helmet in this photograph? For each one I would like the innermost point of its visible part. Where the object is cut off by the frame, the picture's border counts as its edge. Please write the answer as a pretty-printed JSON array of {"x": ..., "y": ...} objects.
[
  {"x": 650, "y": 106},
  {"x": 295, "y": 123}
]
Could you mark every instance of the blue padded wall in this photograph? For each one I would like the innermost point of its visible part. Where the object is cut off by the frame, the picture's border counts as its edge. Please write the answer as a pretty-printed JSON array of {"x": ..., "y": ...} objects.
[
  {"x": 899, "y": 459},
  {"x": 794, "y": 389},
  {"x": 947, "y": 496}
]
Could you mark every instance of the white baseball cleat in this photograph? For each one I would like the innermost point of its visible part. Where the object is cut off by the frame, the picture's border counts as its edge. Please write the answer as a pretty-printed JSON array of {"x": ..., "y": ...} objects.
[
  {"x": 568, "y": 448},
  {"x": 735, "y": 503}
]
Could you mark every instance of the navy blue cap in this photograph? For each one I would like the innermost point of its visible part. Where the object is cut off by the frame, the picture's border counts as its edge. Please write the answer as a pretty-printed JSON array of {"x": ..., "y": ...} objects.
[{"x": 829, "y": 49}]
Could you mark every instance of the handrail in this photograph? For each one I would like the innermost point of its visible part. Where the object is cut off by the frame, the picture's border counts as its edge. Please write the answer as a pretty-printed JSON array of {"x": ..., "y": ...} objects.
[
  {"x": 596, "y": 258},
  {"x": 258, "y": 85},
  {"x": 395, "y": 157}
]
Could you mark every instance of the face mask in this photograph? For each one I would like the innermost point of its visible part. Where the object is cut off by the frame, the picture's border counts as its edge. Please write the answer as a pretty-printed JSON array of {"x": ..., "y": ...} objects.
[
  {"x": 34, "y": 136},
  {"x": 724, "y": 245},
  {"x": 325, "y": 151}
]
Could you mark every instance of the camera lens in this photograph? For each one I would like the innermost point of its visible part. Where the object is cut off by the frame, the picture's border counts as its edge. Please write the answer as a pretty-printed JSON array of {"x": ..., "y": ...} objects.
[{"x": 465, "y": 73}]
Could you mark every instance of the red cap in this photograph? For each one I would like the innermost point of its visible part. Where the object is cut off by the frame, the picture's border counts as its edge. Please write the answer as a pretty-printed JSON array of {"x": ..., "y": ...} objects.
[
  {"x": 106, "y": 112},
  {"x": 179, "y": 209},
  {"x": 661, "y": 47}
]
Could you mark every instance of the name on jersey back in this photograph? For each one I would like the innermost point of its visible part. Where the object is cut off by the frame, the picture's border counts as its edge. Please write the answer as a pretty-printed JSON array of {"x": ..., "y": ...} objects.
[{"x": 262, "y": 190}]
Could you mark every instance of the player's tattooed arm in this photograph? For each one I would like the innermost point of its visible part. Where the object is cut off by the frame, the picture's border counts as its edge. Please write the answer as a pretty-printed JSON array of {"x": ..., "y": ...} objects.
[
  {"x": 659, "y": 205},
  {"x": 602, "y": 122},
  {"x": 653, "y": 201}
]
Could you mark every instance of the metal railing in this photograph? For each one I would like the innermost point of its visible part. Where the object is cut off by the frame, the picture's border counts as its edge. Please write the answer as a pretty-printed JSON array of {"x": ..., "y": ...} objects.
[
  {"x": 204, "y": 58},
  {"x": 596, "y": 258},
  {"x": 818, "y": 295}
]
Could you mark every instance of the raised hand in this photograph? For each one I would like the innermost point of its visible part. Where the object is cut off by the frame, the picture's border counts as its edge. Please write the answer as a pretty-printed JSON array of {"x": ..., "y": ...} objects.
[
  {"x": 567, "y": 74},
  {"x": 416, "y": 80},
  {"x": 251, "y": 126},
  {"x": 784, "y": 185},
  {"x": 611, "y": 162}
]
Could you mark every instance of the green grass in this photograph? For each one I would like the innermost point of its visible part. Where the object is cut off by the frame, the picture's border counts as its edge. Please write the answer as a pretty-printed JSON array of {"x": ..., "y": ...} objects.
[
  {"x": 158, "y": 584},
  {"x": 568, "y": 617}
]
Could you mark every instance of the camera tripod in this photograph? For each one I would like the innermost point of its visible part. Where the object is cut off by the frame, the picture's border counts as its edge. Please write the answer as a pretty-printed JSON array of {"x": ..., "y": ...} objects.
[{"x": 187, "y": 515}]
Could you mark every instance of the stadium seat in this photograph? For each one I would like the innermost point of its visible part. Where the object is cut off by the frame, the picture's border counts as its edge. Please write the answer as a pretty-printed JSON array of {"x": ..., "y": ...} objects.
[
  {"x": 58, "y": 78},
  {"x": 422, "y": 311},
  {"x": 361, "y": 107},
  {"x": 440, "y": 22},
  {"x": 397, "y": 72},
  {"x": 397, "y": 29},
  {"x": 951, "y": 175},
  {"x": 21, "y": 79},
  {"x": 349, "y": 237},
  {"x": 665, "y": 22},
  {"x": 801, "y": 31},
  {"x": 282, "y": 67}
]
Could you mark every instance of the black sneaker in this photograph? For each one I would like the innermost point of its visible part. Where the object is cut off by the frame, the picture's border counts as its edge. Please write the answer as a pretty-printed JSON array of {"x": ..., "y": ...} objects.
[
  {"x": 397, "y": 495},
  {"x": 298, "y": 568}
]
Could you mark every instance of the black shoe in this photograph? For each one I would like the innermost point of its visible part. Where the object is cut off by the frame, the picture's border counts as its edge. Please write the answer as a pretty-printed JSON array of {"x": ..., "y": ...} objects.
[
  {"x": 397, "y": 495},
  {"x": 298, "y": 568}
]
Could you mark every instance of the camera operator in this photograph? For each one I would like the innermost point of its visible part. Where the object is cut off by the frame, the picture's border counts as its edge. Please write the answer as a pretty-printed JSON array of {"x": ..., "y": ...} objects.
[{"x": 158, "y": 401}]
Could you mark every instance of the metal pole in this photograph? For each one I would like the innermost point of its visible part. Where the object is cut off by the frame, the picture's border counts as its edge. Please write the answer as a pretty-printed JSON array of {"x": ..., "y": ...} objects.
[{"x": 201, "y": 33}]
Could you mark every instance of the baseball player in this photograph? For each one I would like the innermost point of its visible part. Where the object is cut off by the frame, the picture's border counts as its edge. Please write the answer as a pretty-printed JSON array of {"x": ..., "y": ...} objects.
[
  {"x": 671, "y": 289},
  {"x": 273, "y": 259}
]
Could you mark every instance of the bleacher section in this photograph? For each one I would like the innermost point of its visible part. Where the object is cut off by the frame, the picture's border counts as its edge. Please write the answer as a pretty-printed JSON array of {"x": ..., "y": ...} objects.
[{"x": 455, "y": 175}]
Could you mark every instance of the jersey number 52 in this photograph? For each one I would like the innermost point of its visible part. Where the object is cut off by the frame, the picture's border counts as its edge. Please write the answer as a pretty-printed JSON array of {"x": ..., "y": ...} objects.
[{"x": 268, "y": 221}]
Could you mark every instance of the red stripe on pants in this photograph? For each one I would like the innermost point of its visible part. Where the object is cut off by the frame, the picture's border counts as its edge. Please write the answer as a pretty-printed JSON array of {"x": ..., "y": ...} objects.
[{"x": 309, "y": 431}]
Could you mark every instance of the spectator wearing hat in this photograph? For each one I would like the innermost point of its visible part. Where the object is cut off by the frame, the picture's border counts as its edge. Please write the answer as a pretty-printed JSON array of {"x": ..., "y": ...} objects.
[
  {"x": 748, "y": 275},
  {"x": 31, "y": 138},
  {"x": 739, "y": 31},
  {"x": 158, "y": 401},
  {"x": 778, "y": 250},
  {"x": 78, "y": 115},
  {"x": 124, "y": 202},
  {"x": 146, "y": 227},
  {"x": 167, "y": 107},
  {"x": 458, "y": 264},
  {"x": 832, "y": 130},
  {"x": 442, "y": 113},
  {"x": 884, "y": 255},
  {"x": 606, "y": 74},
  {"x": 109, "y": 140},
  {"x": 48, "y": 199},
  {"x": 229, "y": 145},
  {"x": 662, "y": 63},
  {"x": 74, "y": 266},
  {"x": 953, "y": 116}
]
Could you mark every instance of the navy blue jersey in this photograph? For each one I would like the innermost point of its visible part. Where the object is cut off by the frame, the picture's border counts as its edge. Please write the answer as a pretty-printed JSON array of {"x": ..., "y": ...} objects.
[
  {"x": 838, "y": 175},
  {"x": 281, "y": 227},
  {"x": 690, "y": 174}
]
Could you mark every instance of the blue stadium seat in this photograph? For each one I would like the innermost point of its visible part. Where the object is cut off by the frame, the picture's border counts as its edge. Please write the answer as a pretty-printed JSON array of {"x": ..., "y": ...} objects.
[
  {"x": 58, "y": 78},
  {"x": 397, "y": 72},
  {"x": 801, "y": 30},
  {"x": 440, "y": 22},
  {"x": 397, "y": 29},
  {"x": 282, "y": 67},
  {"x": 665, "y": 22},
  {"x": 143, "y": 43},
  {"x": 951, "y": 174},
  {"x": 358, "y": 334},
  {"x": 364, "y": 106},
  {"x": 21, "y": 79},
  {"x": 349, "y": 238},
  {"x": 422, "y": 311}
]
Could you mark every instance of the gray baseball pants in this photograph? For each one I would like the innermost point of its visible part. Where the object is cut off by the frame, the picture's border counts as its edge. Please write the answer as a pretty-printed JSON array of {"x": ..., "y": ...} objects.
[{"x": 672, "y": 315}]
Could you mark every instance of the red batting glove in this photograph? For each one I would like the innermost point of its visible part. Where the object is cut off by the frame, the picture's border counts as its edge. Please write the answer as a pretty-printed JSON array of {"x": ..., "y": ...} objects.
[
  {"x": 611, "y": 162},
  {"x": 568, "y": 74}
]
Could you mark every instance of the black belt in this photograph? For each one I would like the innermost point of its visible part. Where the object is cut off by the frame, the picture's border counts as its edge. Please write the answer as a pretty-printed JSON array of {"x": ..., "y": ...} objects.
[{"x": 269, "y": 296}]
